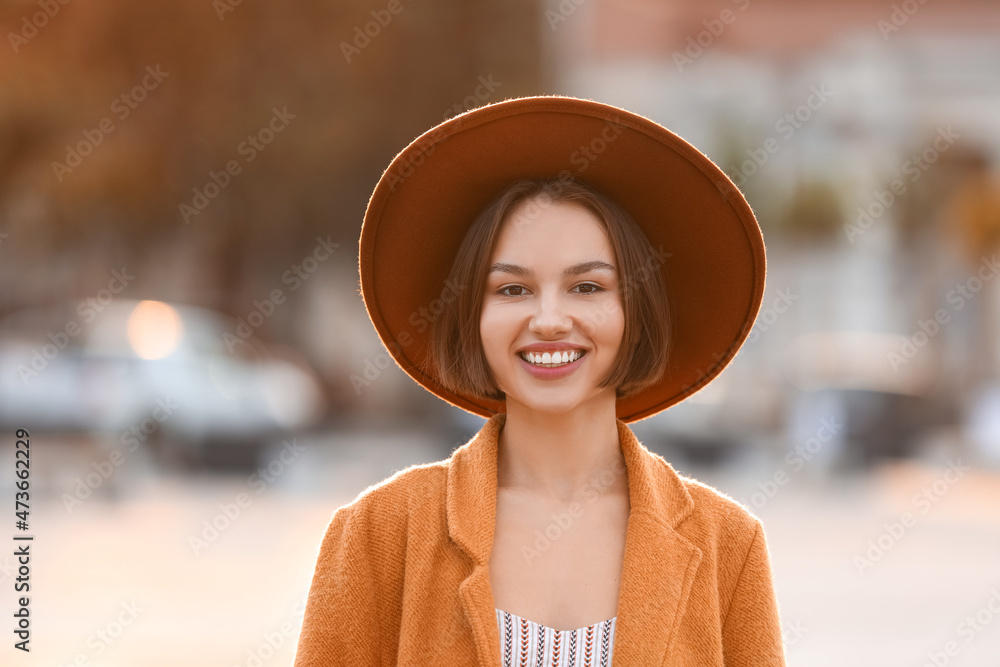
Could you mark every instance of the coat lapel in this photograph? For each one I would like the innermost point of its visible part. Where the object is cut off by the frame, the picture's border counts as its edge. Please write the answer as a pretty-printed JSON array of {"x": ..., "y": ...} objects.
[
  {"x": 659, "y": 565},
  {"x": 471, "y": 513}
]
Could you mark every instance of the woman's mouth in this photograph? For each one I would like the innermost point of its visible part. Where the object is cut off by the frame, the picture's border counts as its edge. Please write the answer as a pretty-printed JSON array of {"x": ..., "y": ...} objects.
[
  {"x": 551, "y": 365},
  {"x": 551, "y": 359}
]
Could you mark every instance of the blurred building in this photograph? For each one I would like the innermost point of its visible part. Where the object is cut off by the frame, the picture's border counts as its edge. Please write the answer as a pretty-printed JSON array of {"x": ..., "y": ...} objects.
[{"x": 867, "y": 139}]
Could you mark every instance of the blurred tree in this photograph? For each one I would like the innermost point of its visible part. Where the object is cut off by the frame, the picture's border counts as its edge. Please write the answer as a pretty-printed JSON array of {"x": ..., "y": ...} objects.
[
  {"x": 972, "y": 216},
  {"x": 974, "y": 211},
  {"x": 114, "y": 116},
  {"x": 949, "y": 221},
  {"x": 815, "y": 212}
]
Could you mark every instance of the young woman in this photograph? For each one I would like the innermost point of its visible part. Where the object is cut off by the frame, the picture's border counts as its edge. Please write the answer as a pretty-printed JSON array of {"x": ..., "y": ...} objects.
[{"x": 561, "y": 267}]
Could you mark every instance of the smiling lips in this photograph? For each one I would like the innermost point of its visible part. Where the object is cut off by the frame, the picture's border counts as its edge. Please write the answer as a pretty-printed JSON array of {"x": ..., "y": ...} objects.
[{"x": 551, "y": 359}]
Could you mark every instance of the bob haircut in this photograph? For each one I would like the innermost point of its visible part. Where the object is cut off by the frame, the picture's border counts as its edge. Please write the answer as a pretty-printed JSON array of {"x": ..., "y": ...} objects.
[{"x": 456, "y": 354}]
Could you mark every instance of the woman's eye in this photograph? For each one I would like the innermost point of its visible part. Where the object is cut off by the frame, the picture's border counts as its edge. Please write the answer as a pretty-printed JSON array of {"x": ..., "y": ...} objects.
[{"x": 518, "y": 290}]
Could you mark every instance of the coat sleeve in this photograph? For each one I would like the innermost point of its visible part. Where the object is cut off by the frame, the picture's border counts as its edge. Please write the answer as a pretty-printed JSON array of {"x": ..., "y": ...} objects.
[
  {"x": 751, "y": 629},
  {"x": 340, "y": 622}
]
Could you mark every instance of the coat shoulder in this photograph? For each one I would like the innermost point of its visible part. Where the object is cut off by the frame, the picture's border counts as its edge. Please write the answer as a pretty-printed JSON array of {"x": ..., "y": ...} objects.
[
  {"x": 717, "y": 522},
  {"x": 729, "y": 535},
  {"x": 377, "y": 524},
  {"x": 403, "y": 492},
  {"x": 711, "y": 509},
  {"x": 719, "y": 507}
]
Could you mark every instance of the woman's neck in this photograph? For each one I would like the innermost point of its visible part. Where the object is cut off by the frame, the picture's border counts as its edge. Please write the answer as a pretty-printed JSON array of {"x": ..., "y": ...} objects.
[{"x": 562, "y": 457}]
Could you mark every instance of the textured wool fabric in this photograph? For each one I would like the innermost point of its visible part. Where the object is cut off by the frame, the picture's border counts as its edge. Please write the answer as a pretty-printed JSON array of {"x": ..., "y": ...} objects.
[{"x": 402, "y": 573}]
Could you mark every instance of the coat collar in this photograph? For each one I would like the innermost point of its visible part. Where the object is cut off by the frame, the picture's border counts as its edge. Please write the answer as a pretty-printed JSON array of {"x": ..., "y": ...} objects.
[{"x": 659, "y": 563}]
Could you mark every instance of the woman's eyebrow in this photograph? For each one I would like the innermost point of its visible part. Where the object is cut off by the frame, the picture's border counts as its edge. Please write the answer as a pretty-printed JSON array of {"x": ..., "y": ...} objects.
[{"x": 575, "y": 270}]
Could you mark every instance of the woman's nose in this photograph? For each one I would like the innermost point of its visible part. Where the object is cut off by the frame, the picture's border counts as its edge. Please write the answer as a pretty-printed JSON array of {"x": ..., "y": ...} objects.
[{"x": 551, "y": 315}]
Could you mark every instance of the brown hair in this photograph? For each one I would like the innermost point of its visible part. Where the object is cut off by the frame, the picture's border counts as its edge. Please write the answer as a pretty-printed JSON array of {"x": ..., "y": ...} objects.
[{"x": 456, "y": 352}]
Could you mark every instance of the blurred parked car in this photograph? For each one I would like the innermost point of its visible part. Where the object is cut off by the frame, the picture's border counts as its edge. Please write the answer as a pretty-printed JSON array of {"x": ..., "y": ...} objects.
[
  {"x": 875, "y": 402},
  {"x": 147, "y": 370},
  {"x": 981, "y": 421},
  {"x": 737, "y": 414}
]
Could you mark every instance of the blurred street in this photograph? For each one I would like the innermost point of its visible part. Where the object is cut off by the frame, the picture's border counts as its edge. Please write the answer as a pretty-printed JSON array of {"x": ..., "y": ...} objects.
[{"x": 122, "y": 564}]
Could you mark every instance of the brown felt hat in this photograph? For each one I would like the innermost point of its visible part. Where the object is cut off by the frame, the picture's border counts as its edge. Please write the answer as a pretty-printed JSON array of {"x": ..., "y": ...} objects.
[{"x": 434, "y": 188}]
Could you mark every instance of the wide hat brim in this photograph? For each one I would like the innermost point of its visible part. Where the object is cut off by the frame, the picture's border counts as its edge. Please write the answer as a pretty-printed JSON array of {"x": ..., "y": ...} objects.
[{"x": 713, "y": 260}]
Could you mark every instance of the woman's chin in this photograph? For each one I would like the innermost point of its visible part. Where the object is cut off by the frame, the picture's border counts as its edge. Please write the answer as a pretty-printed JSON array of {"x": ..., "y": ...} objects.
[{"x": 555, "y": 404}]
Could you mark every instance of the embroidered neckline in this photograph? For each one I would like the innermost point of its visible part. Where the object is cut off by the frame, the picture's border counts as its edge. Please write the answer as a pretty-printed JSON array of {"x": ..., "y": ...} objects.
[{"x": 542, "y": 625}]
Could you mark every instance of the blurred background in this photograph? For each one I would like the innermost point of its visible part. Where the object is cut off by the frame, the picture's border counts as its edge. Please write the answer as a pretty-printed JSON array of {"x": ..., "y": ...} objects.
[{"x": 182, "y": 186}]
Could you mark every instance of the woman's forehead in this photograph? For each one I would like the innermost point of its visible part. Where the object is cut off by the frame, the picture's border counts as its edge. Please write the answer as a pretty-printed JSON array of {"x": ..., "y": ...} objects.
[
  {"x": 567, "y": 242},
  {"x": 551, "y": 218}
]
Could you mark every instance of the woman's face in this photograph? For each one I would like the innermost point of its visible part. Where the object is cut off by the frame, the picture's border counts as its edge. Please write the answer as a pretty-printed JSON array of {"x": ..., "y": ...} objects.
[{"x": 552, "y": 285}]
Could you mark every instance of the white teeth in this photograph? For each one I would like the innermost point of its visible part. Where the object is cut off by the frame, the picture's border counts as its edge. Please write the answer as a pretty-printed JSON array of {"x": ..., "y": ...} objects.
[{"x": 552, "y": 358}]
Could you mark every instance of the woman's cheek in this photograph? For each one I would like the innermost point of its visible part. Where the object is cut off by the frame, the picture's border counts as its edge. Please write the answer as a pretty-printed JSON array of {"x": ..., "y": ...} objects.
[{"x": 604, "y": 314}]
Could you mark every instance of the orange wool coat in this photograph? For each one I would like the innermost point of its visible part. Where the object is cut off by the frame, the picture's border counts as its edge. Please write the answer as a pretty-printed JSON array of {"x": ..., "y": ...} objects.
[{"x": 402, "y": 575}]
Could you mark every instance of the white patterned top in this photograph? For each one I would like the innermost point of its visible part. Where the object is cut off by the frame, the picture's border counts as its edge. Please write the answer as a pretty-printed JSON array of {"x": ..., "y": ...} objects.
[{"x": 525, "y": 643}]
